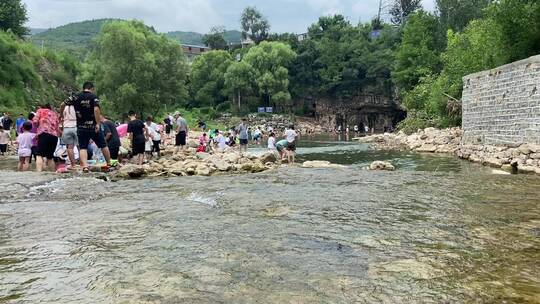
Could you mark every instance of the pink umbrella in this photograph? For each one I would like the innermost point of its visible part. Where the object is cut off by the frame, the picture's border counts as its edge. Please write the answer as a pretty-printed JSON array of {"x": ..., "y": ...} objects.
[{"x": 122, "y": 130}]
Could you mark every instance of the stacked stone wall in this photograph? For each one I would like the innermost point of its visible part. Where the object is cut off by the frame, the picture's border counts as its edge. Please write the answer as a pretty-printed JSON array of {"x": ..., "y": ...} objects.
[{"x": 502, "y": 106}]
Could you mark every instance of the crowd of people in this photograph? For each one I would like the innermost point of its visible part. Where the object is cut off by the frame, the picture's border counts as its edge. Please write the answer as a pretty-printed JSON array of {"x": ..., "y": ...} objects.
[{"x": 80, "y": 136}]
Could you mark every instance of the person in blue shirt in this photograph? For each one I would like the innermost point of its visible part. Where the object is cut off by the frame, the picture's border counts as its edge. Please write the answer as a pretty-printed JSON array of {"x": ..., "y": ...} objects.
[{"x": 18, "y": 124}]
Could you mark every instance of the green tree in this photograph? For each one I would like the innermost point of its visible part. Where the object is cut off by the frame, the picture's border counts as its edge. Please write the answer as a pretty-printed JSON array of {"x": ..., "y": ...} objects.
[
  {"x": 401, "y": 9},
  {"x": 519, "y": 21},
  {"x": 254, "y": 25},
  {"x": 13, "y": 16},
  {"x": 456, "y": 14},
  {"x": 137, "y": 69},
  {"x": 269, "y": 61},
  {"x": 208, "y": 77},
  {"x": 216, "y": 38},
  {"x": 417, "y": 56},
  {"x": 239, "y": 81}
]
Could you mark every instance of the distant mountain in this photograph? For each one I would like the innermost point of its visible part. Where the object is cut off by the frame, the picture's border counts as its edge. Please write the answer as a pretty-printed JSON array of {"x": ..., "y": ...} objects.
[
  {"x": 193, "y": 38},
  {"x": 77, "y": 37},
  {"x": 34, "y": 31}
]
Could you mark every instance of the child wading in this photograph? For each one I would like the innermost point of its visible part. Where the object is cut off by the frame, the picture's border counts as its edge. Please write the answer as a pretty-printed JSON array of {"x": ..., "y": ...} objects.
[
  {"x": 25, "y": 146},
  {"x": 5, "y": 138}
]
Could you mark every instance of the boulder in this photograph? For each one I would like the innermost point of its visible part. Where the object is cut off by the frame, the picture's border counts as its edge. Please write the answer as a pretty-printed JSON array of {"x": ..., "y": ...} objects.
[
  {"x": 320, "y": 164},
  {"x": 524, "y": 149},
  {"x": 202, "y": 170},
  {"x": 427, "y": 148},
  {"x": 268, "y": 157},
  {"x": 131, "y": 171},
  {"x": 231, "y": 157},
  {"x": 382, "y": 165},
  {"x": 220, "y": 164}
]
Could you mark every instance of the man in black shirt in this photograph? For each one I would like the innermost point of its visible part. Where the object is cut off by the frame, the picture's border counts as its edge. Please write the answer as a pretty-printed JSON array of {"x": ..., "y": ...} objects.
[
  {"x": 111, "y": 137},
  {"x": 7, "y": 122},
  {"x": 138, "y": 134},
  {"x": 88, "y": 127}
]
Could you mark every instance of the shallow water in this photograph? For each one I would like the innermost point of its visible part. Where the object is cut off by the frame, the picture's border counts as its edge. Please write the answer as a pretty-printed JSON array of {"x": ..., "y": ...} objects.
[{"x": 438, "y": 230}]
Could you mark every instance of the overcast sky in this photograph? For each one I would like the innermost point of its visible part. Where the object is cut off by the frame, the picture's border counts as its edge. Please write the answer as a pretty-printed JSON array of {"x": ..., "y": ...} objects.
[{"x": 200, "y": 15}]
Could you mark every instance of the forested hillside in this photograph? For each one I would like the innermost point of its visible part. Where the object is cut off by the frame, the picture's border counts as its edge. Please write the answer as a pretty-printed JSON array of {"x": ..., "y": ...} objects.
[{"x": 77, "y": 37}]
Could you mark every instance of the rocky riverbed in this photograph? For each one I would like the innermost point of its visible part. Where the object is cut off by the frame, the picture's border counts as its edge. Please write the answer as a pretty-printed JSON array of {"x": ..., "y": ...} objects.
[{"x": 524, "y": 158}]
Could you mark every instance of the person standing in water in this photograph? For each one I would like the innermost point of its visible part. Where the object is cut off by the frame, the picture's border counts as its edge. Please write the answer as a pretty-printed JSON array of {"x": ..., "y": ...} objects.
[
  {"x": 181, "y": 132},
  {"x": 88, "y": 112},
  {"x": 68, "y": 123},
  {"x": 243, "y": 135},
  {"x": 138, "y": 135},
  {"x": 291, "y": 135}
]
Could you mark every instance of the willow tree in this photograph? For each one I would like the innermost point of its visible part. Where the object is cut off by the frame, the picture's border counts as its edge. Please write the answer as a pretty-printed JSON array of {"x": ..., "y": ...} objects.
[
  {"x": 269, "y": 62},
  {"x": 137, "y": 69}
]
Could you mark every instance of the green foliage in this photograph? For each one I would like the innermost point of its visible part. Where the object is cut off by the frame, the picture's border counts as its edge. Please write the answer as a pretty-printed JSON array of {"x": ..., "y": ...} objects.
[
  {"x": 136, "y": 69},
  {"x": 28, "y": 77},
  {"x": 416, "y": 120},
  {"x": 456, "y": 14},
  {"x": 269, "y": 61},
  {"x": 341, "y": 60},
  {"x": 401, "y": 9},
  {"x": 240, "y": 81},
  {"x": 417, "y": 55},
  {"x": 208, "y": 77},
  {"x": 254, "y": 25},
  {"x": 13, "y": 16},
  {"x": 519, "y": 22},
  {"x": 216, "y": 38}
]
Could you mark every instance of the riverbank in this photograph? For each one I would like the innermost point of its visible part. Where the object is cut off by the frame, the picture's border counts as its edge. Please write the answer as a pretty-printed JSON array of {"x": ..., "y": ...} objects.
[{"x": 524, "y": 158}]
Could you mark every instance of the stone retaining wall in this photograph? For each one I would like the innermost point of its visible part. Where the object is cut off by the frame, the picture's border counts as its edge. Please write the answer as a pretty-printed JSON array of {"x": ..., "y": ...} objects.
[{"x": 502, "y": 106}]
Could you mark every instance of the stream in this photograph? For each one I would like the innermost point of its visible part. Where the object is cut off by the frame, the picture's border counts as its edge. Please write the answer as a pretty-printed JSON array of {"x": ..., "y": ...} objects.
[{"x": 437, "y": 230}]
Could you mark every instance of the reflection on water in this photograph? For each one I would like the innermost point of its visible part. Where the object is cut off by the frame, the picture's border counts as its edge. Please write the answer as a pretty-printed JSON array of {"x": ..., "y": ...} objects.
[{"x": 436, "y": 231}]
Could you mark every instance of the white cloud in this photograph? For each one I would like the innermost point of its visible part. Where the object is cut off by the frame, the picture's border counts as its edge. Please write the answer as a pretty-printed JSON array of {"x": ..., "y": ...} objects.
[{"x": 327, "y": 7}]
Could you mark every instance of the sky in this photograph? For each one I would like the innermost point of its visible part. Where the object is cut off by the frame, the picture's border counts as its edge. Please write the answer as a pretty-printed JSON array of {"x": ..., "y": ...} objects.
[{"x": 200, "y": 15}]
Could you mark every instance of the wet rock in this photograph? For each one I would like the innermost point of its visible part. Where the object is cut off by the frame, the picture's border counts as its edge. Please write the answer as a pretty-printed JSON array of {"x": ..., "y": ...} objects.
[
  {"x": 382, "y": 165},
  {"x": 202, "y": 170},
  {"x": 427, "y": 148},
  {"x": 320, "y": 164},
  {"x": 131, "y": 171}
]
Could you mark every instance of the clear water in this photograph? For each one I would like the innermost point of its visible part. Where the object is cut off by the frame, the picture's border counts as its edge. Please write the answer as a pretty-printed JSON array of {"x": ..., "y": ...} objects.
[{"x": 438, "y": 230}]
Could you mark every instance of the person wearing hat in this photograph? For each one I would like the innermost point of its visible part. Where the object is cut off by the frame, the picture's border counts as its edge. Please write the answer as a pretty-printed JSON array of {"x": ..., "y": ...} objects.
[{"x": 181, "y": 132}]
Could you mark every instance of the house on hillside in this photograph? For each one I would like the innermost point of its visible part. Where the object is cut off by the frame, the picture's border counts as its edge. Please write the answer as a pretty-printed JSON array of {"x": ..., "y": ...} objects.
[{"x": 193, "y": 51}]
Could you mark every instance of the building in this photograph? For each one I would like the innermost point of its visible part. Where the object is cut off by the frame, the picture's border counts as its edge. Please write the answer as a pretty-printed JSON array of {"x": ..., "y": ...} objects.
[{"x": 193, "y": 51}]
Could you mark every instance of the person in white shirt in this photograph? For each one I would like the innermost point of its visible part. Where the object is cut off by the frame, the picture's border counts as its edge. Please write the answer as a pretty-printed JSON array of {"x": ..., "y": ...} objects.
[
  {"x": 272, "y": 142},
  {"x": 291, "y": 135},
  {"x": 222, "y": 141},
  {"x": 155, "y": 134}
]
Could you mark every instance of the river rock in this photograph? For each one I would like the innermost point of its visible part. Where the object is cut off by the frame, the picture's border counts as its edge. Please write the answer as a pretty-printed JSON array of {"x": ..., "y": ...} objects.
[
  {"x": 320, "y": 164},
  {"x": 427, "y": 148},
  {"x": 231, "y": 157},
  {"x": 130, "y": 171},
  {"x": 268, "y": 157},
  {"x": 202, "y": 170},
  {"x": 382, "y": 165}
]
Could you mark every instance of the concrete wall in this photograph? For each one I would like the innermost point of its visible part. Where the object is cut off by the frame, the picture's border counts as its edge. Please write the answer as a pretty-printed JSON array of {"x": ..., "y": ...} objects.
[{"x": 502, "y": 106}]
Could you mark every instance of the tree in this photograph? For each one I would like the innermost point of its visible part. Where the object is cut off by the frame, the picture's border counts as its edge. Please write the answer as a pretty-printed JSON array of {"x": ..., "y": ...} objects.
[
  {"x": 208, "y": 77},
  {"x": 137, "y": 69},
  {"x": 456, "y": 14},
  {"x": 239, "y": 81},
  {"x": 13, "y": 16},
  {"x": 519, "y": 21},
  {"x": 254, "y": 25},
  {"x": 269, "y": 61},
  {"x": 216, "y": 38},
  {"x": 417, "y": 56},
  {"x": 401, "y": 9}
]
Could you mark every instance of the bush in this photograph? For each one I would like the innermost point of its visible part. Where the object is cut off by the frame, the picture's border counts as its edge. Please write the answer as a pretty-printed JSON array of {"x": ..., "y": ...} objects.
[{"x": 416, "y": 120}]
